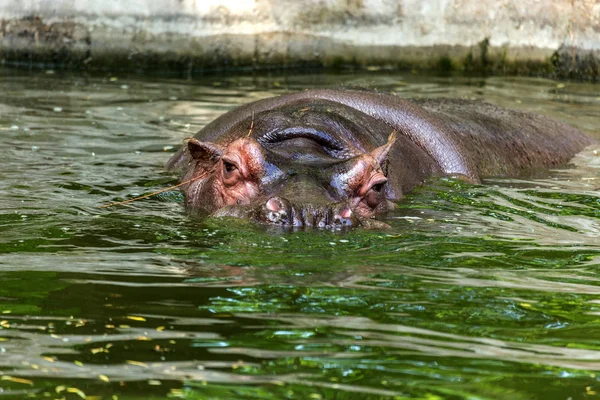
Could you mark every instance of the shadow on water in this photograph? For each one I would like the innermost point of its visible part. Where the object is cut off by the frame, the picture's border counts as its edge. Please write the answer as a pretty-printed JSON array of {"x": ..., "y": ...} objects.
[{"x": 476, "y": 291}]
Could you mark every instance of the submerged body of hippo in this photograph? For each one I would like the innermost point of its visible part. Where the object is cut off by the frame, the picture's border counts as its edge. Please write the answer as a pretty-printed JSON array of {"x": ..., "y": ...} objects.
[{"x": 338, "y": 157}]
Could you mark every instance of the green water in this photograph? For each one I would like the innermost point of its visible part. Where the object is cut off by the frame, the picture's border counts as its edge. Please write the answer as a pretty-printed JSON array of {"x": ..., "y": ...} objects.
[{"x": 477, "y": 292}]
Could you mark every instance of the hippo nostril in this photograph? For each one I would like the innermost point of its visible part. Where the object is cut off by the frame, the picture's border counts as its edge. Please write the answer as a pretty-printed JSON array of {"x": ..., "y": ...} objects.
[
  {"x": 344, "y": 216},
  {"x": 274, "y": 204},
  {"x": 346, "y": 213},
  {"x": 278, "y": 211}
]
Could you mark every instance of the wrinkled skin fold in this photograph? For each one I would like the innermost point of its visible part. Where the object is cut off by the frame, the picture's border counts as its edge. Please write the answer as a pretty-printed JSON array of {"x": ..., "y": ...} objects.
[{"x": 329, "y": 158}]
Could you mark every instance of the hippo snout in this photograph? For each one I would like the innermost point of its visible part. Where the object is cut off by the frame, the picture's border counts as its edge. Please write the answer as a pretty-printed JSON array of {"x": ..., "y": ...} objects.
[{"x": 281, "y": 211}]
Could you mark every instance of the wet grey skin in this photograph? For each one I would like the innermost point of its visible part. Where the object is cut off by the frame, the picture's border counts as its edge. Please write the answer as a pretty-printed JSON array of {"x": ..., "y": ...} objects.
[
  {"x": 300, "y": 188},
  {"x": 334, "y": 158}
]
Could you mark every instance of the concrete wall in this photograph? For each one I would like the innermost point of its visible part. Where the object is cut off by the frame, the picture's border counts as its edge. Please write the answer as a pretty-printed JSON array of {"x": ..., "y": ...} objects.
[{"x": 547, "y": 36}]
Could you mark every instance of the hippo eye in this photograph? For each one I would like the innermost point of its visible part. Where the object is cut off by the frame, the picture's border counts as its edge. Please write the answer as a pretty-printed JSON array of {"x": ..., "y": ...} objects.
[
  {"x": 374, "y": 194},
  {"x": 231, "y": 173},
  {"x": 378, "y": 187},
  {"x": 229, "y": 167}
]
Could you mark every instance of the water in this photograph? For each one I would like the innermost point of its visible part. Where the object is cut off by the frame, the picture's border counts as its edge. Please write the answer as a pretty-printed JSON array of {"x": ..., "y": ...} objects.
[{"x": 477, "y": 292}]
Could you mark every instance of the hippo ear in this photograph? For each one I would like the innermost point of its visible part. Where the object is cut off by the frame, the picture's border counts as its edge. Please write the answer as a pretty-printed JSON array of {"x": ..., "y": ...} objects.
[
  {"x": 204, "y": 151},
  {"x": 380, "y": 153}
]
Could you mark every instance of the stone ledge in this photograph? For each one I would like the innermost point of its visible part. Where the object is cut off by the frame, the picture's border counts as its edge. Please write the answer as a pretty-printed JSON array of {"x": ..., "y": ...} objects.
[{"x": 560, "y": 38}]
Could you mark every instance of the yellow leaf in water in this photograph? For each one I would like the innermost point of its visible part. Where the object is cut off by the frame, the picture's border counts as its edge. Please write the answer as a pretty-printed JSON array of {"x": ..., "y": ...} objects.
[
  {"x": 136, "y": 318},
  {"x": 104, "y": 378},
  {"x": 138, "y": 363},
  {"x": 78, "y": 392},
  {"x": 16, "y": 380},
  {"x": 589, "y": 391}
]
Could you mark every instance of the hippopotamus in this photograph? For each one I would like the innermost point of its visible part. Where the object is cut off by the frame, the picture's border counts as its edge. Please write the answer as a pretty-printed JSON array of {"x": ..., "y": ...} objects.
[{"x": 330, "y": 158}]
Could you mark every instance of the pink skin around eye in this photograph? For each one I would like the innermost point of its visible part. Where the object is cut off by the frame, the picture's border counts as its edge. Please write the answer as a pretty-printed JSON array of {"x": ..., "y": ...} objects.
[
  {"x": 240, "y": 185},
  {"x": 375, "y": 179}
]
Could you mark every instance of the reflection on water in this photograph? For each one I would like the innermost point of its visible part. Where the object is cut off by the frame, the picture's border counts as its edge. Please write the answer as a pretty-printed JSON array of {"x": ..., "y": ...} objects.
[{"x": 477, "y": 291}]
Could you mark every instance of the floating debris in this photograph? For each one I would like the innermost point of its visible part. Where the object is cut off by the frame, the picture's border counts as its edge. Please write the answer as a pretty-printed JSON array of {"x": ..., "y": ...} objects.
[
  {"x": 136, "y": 318},
  {"x": 78, "y": 392},
  {"x": 16, "y": 380},
  {"x": 136, "y": 363}
]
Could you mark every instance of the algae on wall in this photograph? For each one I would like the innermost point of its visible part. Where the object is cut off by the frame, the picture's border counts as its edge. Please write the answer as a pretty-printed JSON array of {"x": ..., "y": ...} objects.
[{"x": 560, "y": 36}]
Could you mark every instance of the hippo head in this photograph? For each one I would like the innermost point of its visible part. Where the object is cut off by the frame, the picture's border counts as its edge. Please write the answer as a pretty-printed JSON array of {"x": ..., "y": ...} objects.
[{"x": 293, "y": 176}]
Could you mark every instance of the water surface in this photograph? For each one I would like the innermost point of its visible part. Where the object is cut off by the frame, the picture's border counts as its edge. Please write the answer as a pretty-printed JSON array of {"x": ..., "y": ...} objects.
[{"x": 487, "y": 292}]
